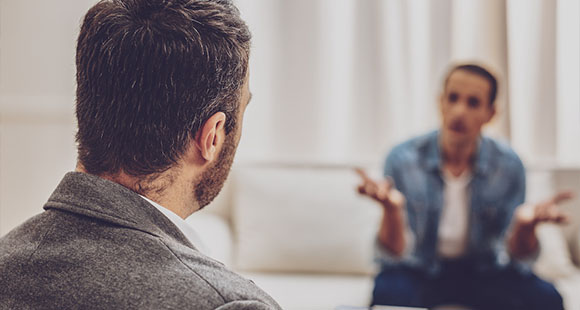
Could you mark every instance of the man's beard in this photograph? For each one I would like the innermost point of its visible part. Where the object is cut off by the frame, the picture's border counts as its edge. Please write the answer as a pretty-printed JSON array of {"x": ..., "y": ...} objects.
[{"x": 209, "y": 185}]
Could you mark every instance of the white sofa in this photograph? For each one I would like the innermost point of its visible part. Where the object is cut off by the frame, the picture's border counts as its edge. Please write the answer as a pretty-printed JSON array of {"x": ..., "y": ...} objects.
[{"x": 305, "y": 236}]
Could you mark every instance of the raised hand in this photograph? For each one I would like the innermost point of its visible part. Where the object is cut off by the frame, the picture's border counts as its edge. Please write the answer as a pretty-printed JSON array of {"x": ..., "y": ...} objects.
[
  {"x": 392, "y": 230},
  {"x": 546, "y": 211},
  {"x": 523, "y": 240},
  {"x": 381, "y": 191}
]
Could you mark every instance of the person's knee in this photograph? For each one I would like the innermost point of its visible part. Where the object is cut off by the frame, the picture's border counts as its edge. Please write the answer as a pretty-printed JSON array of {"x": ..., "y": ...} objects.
[
  {"x": 396, "y": 288},
  {"x": 512, "y": 290},
  {"x": 549, "y": 299},
  {"x": 545, "y": 296},
  {"x": 394, "y": 295}
]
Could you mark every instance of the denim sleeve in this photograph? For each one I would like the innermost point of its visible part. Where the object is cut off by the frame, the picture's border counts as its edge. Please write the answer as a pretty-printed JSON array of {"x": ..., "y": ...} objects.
[
  {"x": 518, "y": 193},
  {"x": 383, "y": 255},
  {"x": 515, "y": 200}
]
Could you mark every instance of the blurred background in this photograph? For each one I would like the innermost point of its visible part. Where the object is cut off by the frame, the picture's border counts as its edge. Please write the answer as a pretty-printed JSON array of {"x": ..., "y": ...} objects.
[{"x": 335, "y": 82}]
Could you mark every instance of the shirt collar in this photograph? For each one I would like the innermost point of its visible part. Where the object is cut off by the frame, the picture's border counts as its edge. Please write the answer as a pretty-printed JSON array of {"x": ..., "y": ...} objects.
[{"x": 181, "y": 224}]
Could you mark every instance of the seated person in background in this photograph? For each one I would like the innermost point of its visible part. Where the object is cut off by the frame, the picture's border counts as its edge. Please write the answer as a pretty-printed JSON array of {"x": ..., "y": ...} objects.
[
  {"x": 454, "y": 228},
  {"x": 162, "y": 86}
]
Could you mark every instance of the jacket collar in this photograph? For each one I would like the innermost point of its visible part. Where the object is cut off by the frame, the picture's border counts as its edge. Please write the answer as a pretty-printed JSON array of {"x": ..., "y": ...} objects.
[
  {"x": 431, "y": 148},
  {"x": 89, "y": 195}
]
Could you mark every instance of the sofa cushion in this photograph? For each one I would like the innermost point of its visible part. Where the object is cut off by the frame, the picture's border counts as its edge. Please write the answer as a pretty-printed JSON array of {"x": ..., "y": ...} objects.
[
  {"x": 289, "y": 219},
  {"x": 554, "y": 260},
  {"x": 315, "y": 291},
  {"x": 569, "y": 287}
]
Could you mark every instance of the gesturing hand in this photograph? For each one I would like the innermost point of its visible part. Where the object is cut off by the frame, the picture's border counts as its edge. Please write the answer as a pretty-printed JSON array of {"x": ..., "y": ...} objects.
[
  {"x": 523, "y": 241},
  {"x": 381, "y": 191},
  {"x": 547, "y": 211}
]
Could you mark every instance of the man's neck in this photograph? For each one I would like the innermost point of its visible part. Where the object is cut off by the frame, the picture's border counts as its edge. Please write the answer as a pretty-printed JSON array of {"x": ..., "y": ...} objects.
[
  {"x": 457, "y": 157},
  {"x": 169, "y": 189}
]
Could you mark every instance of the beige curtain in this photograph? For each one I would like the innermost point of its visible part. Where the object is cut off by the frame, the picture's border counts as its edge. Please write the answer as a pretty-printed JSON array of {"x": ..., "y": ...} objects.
[{"x": 344, "y": 80}]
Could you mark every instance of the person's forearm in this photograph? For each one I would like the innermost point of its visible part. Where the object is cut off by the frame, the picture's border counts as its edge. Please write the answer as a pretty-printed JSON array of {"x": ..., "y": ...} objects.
[
  {"x": 523, "y": 241},
  {"x": 392, "y": 231}
]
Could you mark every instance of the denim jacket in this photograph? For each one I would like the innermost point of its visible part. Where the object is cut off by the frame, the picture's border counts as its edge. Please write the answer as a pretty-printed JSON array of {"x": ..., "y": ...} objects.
[{"x": 497, "y": 187}]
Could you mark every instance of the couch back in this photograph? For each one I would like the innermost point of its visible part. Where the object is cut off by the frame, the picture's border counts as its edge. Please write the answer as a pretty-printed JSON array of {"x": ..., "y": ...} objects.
[
  {"x": 298, "y": 218},
  {"x": 309, "y": 218}
]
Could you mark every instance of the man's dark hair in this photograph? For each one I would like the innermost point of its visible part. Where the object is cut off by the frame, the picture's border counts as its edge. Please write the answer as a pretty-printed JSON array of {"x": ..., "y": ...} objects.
[
  {"x": 478, "y": 70},
  {"x": 149, "y": 74}
]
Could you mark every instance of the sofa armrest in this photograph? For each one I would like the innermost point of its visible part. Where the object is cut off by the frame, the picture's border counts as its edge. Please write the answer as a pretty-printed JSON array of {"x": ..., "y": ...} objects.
[{"x": 575, "y": 248}]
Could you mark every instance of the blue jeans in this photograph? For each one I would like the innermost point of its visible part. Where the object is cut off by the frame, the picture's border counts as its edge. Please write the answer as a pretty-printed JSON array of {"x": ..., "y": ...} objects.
[{"x": 460, "y": 283}]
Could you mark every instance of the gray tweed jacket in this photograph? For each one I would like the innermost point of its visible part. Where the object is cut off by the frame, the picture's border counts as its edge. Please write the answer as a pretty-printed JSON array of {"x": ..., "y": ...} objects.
[{"x": 98, "y": 245}]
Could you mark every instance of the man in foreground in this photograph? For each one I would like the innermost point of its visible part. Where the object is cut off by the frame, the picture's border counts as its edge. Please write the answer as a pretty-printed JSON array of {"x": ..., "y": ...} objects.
[
  {"x": 162, "y": 87},
  {"x": 454, "y": 228}
]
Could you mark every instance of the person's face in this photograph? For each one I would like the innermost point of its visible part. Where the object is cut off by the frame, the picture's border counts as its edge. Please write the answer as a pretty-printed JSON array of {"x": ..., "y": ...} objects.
[
  {"x": 210, "y": 183},
  {"x": 465, "y": 107}
]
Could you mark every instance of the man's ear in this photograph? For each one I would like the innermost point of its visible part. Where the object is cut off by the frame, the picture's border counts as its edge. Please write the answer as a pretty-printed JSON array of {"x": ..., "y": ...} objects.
[{"x": 211, "y": 135}]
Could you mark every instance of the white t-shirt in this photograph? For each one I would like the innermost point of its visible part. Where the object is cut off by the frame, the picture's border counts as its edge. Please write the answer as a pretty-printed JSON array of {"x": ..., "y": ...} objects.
[
  {"x": 182, "y": 225},
  {"x": 454, "y": 222}
]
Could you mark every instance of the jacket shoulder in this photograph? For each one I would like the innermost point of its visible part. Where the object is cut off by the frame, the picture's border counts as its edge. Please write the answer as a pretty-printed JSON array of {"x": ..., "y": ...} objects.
[
  {"x": 412, "y": 150},
  {"x": 501, "y": 152},
  {"x": 86, "y": 262}
]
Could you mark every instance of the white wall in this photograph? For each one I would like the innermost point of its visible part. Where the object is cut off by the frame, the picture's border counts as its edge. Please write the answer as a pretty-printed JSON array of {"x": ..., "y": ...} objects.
[{"x": 37, "y": 47}]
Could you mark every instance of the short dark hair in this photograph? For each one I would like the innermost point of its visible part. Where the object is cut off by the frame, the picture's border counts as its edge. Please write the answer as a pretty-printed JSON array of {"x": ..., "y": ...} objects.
[
  {"x": 149, "y": 74},
  {"x": 477, "y": 70}
]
